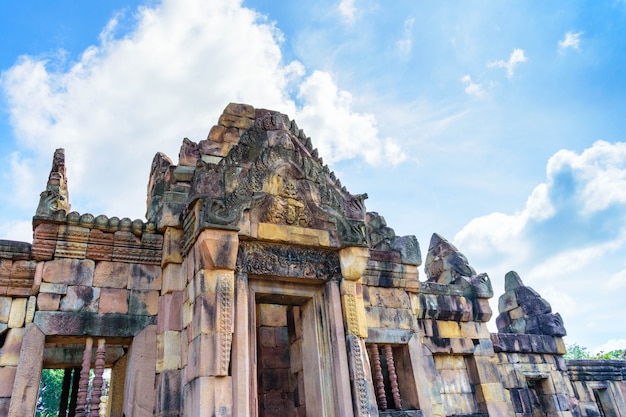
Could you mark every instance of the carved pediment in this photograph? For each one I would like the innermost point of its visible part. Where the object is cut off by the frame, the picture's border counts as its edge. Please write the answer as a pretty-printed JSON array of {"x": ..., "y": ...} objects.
[{"x": 271, "y": 173}]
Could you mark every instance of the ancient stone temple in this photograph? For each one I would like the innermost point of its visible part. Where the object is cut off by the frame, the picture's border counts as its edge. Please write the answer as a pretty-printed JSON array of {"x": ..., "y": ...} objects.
[{"x": 259, "y": 286}]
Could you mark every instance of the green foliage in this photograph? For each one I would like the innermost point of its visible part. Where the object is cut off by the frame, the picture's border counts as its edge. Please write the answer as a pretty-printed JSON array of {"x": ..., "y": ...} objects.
[
  {"x": 576, "y": 351},
  {"x": 614, "y": 354},
  {"x": 49, "y": 393}
]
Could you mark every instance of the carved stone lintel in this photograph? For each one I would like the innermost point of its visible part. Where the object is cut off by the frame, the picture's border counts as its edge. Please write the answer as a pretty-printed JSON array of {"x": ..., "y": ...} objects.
[{"x": 288, "y": 261}]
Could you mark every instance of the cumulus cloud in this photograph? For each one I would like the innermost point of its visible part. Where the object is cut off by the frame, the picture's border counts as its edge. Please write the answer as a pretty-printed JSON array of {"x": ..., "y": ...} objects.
[
  {"x": 348, "y": 10},
  {"x": 516, "y": 58},
  {"x": 169, "y": 77},
  {"x": 570, "y": 40},
  {"x": 472, "y": 88},
  {"x": 329, "y": 115},
  {"x": 405, "y": 44},
  {"x": 567, "y": 239}
]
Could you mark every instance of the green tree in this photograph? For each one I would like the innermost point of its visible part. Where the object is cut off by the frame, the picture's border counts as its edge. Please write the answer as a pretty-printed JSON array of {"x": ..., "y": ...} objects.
[
  {"x": 49, "y": 393},
  {"x": 576, "y": 351}
]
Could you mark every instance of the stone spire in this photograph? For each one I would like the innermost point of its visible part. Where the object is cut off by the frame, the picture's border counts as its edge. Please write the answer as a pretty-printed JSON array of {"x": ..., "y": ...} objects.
[
  {"x": 523, "y": 310},
  {"x": 54, "y": 200}
]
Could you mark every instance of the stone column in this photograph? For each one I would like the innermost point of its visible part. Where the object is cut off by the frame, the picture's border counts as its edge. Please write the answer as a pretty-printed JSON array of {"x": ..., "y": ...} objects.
[
  {"x": 28, "y": 373},
  {"x": 353, "y": 262},
  {"x": 83, "y": 383},
  {"x": 211, "y": 293},
  {"x": 96, "y": 389}
]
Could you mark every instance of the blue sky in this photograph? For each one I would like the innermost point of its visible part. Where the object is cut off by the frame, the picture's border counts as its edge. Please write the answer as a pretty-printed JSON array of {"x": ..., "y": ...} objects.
[{"x": 499, "y": 125}]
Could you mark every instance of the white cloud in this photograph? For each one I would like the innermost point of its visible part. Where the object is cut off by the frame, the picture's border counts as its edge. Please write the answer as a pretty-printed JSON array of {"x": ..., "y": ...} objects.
[
  {"x": 341, "y": 132},
  {"x": 347, "y": 10},
  {"x": 170, "y": 77},
  {"x": 516, "y": 58},
  {"x": 567, "y": 241},
  {"x": 601, "y": 174},
  {"x": 405, "y": 44},
  {"x": 570, "y": 40},
  {"x": 611, "y": 345},
  {"x": 20, "y": 230},
  {"x": 472, "y": 88}
]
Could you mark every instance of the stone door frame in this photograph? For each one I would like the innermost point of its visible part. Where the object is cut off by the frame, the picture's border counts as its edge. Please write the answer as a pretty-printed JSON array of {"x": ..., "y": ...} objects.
[{"x": 324, "y": 356}]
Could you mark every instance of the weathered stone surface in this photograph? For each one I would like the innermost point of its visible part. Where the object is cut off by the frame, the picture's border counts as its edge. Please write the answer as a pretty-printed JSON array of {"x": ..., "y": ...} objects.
[
  {"x": 353, "y": 261},
  {"x": 170, "y": 312},
  {"x": 28, "y": 373},
  {"x": 69, "y": 271},
  {"x": 168, "y": 351},
  {"x": 173, "y": 278},
  {"x": 111, "y": 274},
  {"x": 17, "y": 315},
  {"x": 169, "y": 394},
  {"x": 92, "y": 324},
  {"x": 113, "y": 300},
  {"x": 217, "y": 249},
  {"x": 522, "y": 310},
  {"x": 145, "y": 277},
  {"x": 143, "y": 302},
  {"x": 80, "y": 298},
  {"x": 140, "y": 389},
  {"x": 10, "y": 353},
  {"x": 7, "y": 379},
  {"x": 49, "y": 302}
]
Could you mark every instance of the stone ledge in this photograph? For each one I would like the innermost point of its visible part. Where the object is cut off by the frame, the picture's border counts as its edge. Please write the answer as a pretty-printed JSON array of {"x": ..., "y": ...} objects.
[{"x": 91, "y": 324}]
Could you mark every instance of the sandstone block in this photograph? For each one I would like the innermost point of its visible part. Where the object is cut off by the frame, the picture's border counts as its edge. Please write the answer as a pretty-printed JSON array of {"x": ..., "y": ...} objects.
[
  {"x": 169, "y": 394},
  {"x": 80, "y": 298},
  {"x": 173, "y": 278},
  {"x": 17, "y": 315},
  {"x": 145, "y": 277},
  {"x": 28, "y": 374},
  {"x": 172, "y": 252},
  {"x": 217, "y": 249},
  {"x": 168, "y": 351},
  {"x": 48, "y": 301},
  {"x": 105, "y": 325},
  {"x": 170, "y": 312},
  {"x": 447, "y": 329},
  {"x": 69, "y": 271},
  {"x": 30, "y": 309},
  {"x": 47, "y": 287},
  {"x": 241, "y": 110},
  {"x": 7, "y": 378},
  {"x": 111, "y": 274},
  {"x": 492, "y": 392},
  {"x": 216, "y": 133},
  {"x": 229, "y": 120},
  {"x": 10, "y": 353},
  {"x": 294, "y": 234},
  {"x": 507, "y": 301},
  {"x": 208, "y": 396},
  {"x": 271, "y": 315},
  {"x": 143, "y": 302},
  {"x": 113, "y": 300},
  {"x": 5, "y": 309},
  {"x": 208, "y": 355}
]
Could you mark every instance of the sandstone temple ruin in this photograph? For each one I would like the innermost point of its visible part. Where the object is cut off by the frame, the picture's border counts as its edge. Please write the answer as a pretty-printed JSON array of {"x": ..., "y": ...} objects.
[{"x": 259, "y": 286}]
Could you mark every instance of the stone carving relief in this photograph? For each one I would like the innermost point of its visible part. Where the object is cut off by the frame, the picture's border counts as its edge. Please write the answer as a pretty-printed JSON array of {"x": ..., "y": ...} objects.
[
  {"x": 273, "y": 173},
  {"x": 288, "y": 261}
]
